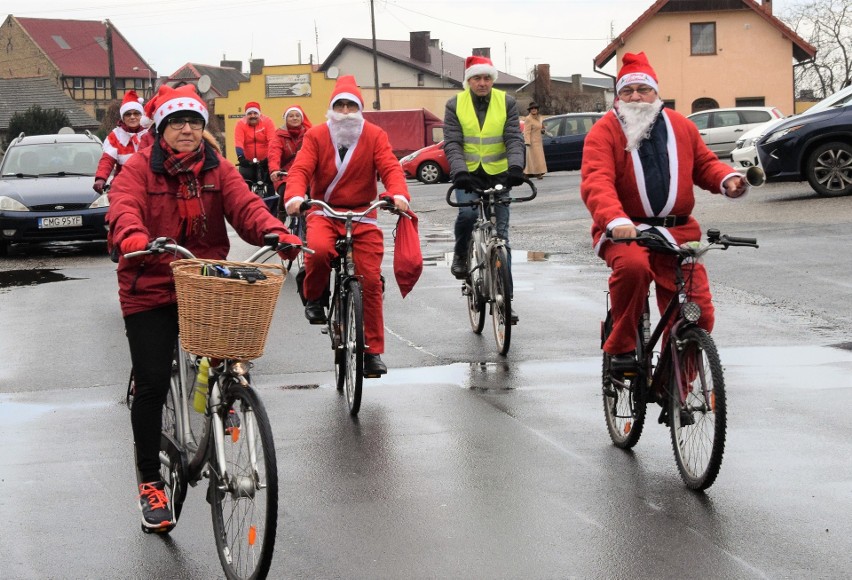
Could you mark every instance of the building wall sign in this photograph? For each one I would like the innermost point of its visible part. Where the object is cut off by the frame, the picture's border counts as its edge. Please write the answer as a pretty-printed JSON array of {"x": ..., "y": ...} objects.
[{"x": 288, "y": 85}]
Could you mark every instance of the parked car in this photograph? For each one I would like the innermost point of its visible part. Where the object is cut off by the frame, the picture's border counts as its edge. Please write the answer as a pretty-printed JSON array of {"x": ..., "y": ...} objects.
[
  {"x": 745, "y": 154},
  {"x": 815, "y": 147},
  {"x": 720, "y": 128},
  {"x": 564, "y": 138},
  {"x": 428, "y": 165},
  {"x": 46, "y": 190}
]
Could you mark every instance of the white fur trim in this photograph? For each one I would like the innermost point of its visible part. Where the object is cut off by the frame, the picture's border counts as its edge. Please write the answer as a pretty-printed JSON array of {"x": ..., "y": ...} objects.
[
  {"x": 636, "y": 78},
  {"x": 287, "y": 112},
  {"x": 177, "y": 105},
  {"x": 130, "y": 106},
  {"x": 348, "y": 97},
  {"x": 480, "y": 69},
  {"x": 252, "y": 110}
]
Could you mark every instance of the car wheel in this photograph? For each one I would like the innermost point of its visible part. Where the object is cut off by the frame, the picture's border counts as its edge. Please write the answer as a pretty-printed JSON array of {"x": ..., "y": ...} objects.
[
  {"x": 829, "y": 169},
  {"x": 4, "y": 248},
  {"x": 430, "y": 172}
]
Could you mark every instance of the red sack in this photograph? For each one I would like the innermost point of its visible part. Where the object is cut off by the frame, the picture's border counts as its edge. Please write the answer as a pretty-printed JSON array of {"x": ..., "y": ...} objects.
[{"x": 407, "y": 257}]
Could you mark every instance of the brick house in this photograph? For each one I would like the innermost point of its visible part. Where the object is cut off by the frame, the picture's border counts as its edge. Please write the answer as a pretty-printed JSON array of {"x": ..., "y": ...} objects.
[{"x": 75, "y": 55}]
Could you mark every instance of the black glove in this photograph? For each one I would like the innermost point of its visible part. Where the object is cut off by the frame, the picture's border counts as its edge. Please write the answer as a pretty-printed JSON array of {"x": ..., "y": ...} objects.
[
  {"x": 463, "y": 181},
  {"x": 242, "y": 161},
  {"x": 515, "y": 176}
]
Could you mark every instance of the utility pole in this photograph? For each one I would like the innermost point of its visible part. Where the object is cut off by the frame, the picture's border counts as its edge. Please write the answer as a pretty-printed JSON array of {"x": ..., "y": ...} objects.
[
  {"x": 111, "y": 59},
  {"x": 377, "y": 104}
]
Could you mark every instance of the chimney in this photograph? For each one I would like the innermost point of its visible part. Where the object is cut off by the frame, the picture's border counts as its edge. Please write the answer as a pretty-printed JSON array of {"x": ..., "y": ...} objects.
[
  {"x": 419, "y": 47},
  {"x": 767, "y": 6},
  {"x": 256, "y": 66},
  {"x": 486, "y": 52},
  {"x": 576, "y": 84},
  {"x": 237, "y": 65}
]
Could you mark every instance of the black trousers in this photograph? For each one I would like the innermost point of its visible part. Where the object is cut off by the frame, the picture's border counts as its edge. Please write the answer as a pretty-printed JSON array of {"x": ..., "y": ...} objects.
[{"x": 152, "y": 336}]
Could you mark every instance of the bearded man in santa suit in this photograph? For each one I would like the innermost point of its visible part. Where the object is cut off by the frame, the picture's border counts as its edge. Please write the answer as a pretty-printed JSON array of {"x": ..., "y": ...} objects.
[
  {"x": 641, "y": 163},
  {"x": 339, "y": 160}
]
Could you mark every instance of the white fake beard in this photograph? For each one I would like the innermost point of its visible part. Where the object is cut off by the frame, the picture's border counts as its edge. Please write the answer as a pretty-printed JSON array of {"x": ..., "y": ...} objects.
[
  {"x": 345, "y": 127},
  {"x": 637, "y": 120}
]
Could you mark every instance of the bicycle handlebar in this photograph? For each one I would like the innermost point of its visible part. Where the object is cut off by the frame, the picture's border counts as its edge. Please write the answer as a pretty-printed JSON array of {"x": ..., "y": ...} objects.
[
  {"x": 167, "y": 245},
  {"x": 656, "y": 242},
  {"x": 499, "y": 188},
  {"x": 384, "y": 202}
]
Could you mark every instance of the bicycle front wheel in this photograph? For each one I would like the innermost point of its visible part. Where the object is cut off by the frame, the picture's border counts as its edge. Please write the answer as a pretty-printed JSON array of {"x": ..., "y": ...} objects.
[
  {"x": 501, "y": 306},
  {"x": 473, "y": 290},
  {"x": 624, "y": 400},
  {"x": 244, "y": 499},
  {"x": 698, "y": 410},
  {"x": 172, "y": 462},
  {"x": 353, "y": 340}
]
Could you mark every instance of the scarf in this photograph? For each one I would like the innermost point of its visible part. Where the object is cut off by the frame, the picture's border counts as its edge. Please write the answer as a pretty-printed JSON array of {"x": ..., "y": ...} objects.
[{"x": 186, "y": 167}]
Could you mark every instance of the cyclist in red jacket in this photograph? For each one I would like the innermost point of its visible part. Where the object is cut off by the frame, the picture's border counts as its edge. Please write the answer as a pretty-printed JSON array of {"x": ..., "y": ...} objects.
[{"x": 252, "y": 136}]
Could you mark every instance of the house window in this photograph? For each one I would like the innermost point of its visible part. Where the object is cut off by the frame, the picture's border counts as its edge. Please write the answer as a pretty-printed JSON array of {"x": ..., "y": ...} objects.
[
  {"x": 703, "y": 38},
  {"x": 421, "y": 81},
  {"x": 78, "y": 83},
  {"x": 751, "y": 102},
  {"x": 100, "y": 114},
  {"x": 669, "y": 104},
  {"x": 100, "y": 83},
  {"x": 120, "y": 84},
  {"x": 703, "y": 104}
]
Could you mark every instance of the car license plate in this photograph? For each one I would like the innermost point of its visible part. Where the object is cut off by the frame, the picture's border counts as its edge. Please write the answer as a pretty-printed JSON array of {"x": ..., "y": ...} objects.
[{"x": 65, "y": 221}]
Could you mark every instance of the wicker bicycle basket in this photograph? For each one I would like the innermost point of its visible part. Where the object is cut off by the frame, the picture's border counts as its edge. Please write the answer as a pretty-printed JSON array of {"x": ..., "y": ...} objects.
[{"x": 223, "y": 317}]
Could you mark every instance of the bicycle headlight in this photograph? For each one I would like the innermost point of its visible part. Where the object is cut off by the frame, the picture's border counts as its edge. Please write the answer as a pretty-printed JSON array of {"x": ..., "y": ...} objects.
[
  {"x": 691, "y": 311},
  {"x": 239, "y": 368}
]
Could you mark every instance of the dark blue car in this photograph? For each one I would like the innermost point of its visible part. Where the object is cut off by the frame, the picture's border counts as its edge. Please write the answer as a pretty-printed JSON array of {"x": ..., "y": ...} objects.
[
  {"x": 815, "y": 147},
  {"x": 564, "y": 137}
]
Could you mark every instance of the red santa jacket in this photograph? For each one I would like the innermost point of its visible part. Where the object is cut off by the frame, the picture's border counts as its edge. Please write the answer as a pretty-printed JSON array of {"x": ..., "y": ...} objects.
[
  {"x": 613, "y": 185},
  {"x": 143, "y": 199},
  {"x": 119, "y": 145},
  {"x": 254, "y": 141},
  {"x": 351, "y": 182},
  {"x": 283, "y": 149}
]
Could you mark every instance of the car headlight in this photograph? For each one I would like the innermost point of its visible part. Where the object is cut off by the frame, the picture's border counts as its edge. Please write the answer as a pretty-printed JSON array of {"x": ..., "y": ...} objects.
[
  {"x": 740, "y": 144},
  {"x": 408, "y": 158},
  {"x": 783, "y": 133},
  {"x": 9, "y": 204},
  {"x": 102, "y": 201}
]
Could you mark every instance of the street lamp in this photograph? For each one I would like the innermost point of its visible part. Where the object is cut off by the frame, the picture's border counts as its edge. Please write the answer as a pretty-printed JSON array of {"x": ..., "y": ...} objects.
[{"x": 150, "y": 88}]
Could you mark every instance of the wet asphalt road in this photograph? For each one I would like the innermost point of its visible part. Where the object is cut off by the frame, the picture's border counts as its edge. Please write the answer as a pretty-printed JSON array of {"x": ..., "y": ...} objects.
[{"x": 462, "y": 464}]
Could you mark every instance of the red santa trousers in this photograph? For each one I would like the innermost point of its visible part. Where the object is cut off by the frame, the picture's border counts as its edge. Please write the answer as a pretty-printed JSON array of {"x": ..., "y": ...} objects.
[
  {"x": 633, "y": 269},
  {"x": 368, "y": 250}
]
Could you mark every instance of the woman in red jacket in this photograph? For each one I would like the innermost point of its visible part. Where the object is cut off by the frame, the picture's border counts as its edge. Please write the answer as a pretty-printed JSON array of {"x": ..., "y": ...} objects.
[
  {"x": 123, "y": 141},
  {"x": 180, "y": 188},
  {"x": 285, "y": 144}
]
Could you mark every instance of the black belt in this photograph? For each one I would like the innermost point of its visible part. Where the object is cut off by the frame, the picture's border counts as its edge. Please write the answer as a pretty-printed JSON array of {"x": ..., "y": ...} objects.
[{"x": 663, "y": 222}]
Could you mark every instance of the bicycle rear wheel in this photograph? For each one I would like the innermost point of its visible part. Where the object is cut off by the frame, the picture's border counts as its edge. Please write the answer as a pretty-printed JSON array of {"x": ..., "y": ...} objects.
[
  {"x": 244, "y": 500},
  {"x": 698, "y": 410},
  {"x": 353, "y": 339},
  {"x": 473, "y": 291},
  {"x": 624, "y": 404},
  {"x": 501, "y": 306}
]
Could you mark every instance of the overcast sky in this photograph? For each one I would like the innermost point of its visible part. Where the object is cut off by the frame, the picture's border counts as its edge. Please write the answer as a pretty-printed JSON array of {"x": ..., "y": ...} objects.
[{"x": 567, "y": 34}]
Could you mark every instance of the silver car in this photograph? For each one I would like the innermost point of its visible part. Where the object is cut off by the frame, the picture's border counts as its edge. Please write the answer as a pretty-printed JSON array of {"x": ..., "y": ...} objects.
[{"x": 721, "y": 128}]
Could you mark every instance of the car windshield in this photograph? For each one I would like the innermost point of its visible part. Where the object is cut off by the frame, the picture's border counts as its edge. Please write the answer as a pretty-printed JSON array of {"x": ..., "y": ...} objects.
[{"x": 52, "y": 159}]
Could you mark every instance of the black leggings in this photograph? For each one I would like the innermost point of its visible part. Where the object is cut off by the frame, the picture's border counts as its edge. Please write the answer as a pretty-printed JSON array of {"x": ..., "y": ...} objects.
[{"x": 152, "y": 336}]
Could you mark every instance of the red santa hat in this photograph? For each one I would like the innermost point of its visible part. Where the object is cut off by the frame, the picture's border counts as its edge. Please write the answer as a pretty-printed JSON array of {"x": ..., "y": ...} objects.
[
  {"x": 131, "y": 102},
  {"x": 305, "y": 122},
  {"x": 478, "y": 65},
  {"x": 252, "y": 107},
  {"x": 169, "y": 101},
  {"x": 346, "y": 88},
  {"x": 636, "y": 70}
]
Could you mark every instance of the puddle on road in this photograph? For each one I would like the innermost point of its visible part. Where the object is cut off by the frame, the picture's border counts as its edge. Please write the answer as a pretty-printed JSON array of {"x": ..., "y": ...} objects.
[{"x": 14, "y": 278}]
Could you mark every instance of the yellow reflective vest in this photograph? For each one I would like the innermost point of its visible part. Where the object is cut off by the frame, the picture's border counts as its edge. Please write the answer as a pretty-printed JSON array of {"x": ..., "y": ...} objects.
[{"x": 484, "y": 145}]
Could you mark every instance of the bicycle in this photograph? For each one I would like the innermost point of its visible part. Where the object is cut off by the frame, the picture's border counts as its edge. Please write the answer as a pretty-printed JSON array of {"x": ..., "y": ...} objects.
[
  {"x": 345, "y": 321},
  {"x": 259, "y": 185},
  {"x": 489, "y": 280},
  {"x": 223, "y": 434},
  {"x": 686, "y": 379}
]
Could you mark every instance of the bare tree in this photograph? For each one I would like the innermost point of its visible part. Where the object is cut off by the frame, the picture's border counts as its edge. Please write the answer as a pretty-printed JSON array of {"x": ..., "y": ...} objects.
[{"x": 827, "y": 25}]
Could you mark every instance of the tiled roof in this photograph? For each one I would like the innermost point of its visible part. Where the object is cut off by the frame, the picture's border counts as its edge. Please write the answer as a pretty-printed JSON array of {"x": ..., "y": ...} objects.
[
  {"x": 605, "y": 83},
  {"x": 43, "y": 92},
  {"x": 442, "y": 63},
  {"x": 78, "y": 48},
  {"x": 222, "y": 79}
]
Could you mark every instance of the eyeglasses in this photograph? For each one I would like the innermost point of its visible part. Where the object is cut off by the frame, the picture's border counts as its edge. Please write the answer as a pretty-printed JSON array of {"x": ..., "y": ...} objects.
[
  {"x": 179, "y": 122},
  {"x": 344, "y": 104},
  {"x": 132, "y": 114},
  {"x": 627, "y": 91}
]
